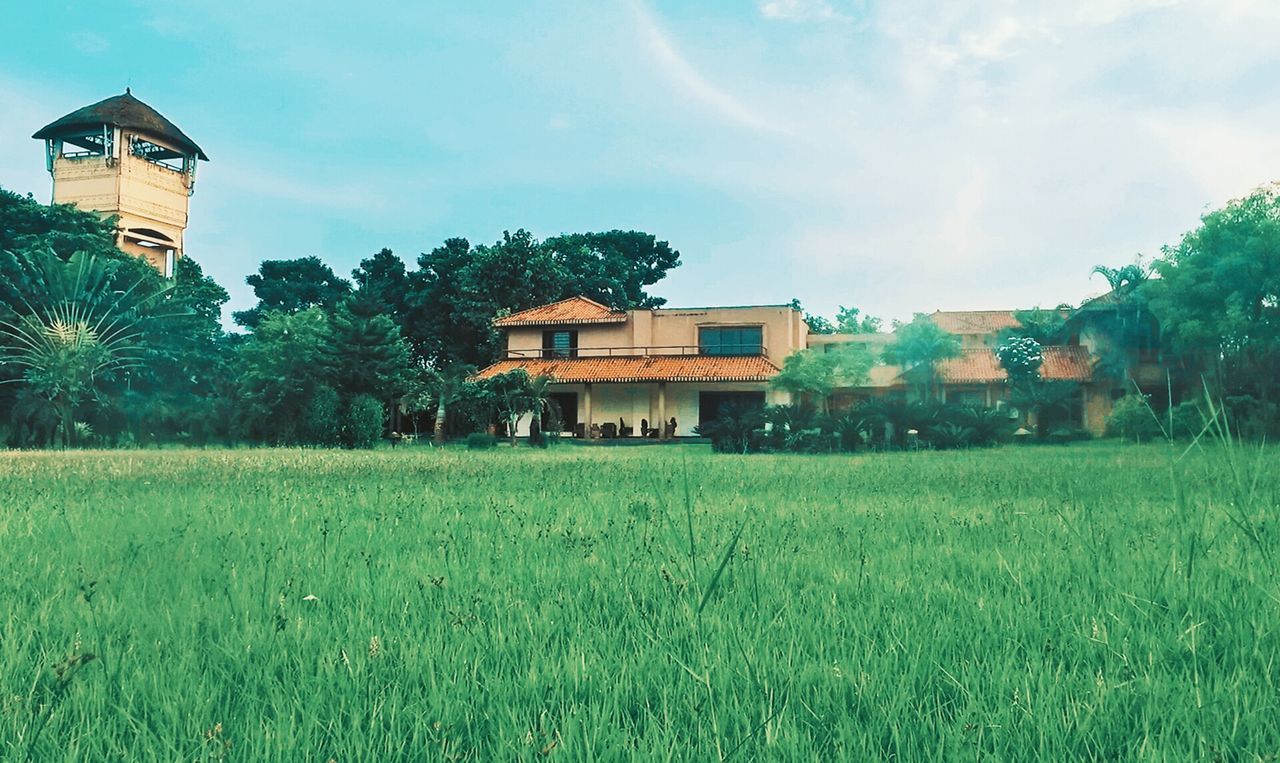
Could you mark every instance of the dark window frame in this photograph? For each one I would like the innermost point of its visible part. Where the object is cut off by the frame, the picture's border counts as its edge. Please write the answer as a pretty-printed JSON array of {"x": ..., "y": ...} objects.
[
  {"x": 550, "y": 349},
  {"x": 742, "y": 340}
]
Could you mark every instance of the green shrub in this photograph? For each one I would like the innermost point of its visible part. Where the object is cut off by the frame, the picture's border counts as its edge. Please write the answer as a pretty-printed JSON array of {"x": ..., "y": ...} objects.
[
  {"x": 949, "y": 436},
  {"x": 481, "y": 441},
  {"x": 364, "y": 421},
  {"x": 1131, "y": 418},
  {"x": 324, "y": 424},
  {"x": 738, "y": 430}
]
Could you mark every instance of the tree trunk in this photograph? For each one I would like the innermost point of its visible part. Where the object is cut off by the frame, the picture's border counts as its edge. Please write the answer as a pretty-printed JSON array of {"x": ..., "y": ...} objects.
[{"x": 437, "y": 433}]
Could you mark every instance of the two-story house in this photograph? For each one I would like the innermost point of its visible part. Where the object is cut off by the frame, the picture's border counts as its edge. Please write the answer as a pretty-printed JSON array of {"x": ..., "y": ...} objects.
[
  {"x": 630, "y": 373},
  {"x": 650, "y": 373}
]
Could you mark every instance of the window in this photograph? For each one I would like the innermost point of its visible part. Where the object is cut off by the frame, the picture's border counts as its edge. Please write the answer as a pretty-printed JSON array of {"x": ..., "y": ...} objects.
[
  {"x": 559, "y": 344},
  {"x": 735, "y": 340}
]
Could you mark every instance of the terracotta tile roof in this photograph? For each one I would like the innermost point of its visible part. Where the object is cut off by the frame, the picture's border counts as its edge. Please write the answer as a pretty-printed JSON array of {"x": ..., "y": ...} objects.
[
  {"x": 1061, "y": 363},
  {"x": 975, "y": 321},
  {"x": 673, "y": 368},
  {"x": 572, "y": 310}
]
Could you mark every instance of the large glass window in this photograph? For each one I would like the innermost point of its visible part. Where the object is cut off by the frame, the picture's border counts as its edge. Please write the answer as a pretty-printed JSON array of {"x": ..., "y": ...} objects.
[
  {"x": 559, "y": 344},
  {"x": 731, "y": 340}
]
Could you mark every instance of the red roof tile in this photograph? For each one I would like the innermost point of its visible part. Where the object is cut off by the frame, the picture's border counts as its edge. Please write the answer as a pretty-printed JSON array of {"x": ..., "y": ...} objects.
[
  {"x": 572, "y": 310},
  {"x": 673, "y": 368},
  {"x": 1061, "y": 363},
  {"x": 975, "y": 321}
]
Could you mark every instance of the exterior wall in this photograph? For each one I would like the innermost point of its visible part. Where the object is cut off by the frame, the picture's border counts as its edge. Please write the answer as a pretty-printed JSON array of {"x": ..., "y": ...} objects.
[
  {"x": 672, "y": 332},
  {"x": 1097, "y": 407},
  {"x": 783, "y": 328},
  {"x": 140, "y": 193}
]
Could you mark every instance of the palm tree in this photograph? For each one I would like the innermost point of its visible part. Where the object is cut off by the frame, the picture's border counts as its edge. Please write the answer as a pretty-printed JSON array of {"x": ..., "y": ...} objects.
[
  {"x": 76, "y": 331},
  {"x": 919, "y": 347},
  {"x": 444, "y": 389},
  {"x": 1123, "y": 280}
]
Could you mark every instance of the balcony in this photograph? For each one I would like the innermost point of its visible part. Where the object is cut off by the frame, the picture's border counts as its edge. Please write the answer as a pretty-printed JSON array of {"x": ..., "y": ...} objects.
[{"x": 722, "y": 350}]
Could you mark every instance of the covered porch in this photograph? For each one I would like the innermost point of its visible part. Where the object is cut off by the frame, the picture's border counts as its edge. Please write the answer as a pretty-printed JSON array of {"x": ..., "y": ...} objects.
[
  {"x": 658, "y": 410},
  {"x": 649, "y": 396}
]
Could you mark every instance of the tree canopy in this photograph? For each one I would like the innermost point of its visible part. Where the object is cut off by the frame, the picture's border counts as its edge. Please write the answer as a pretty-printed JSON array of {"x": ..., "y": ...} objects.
[
  {"x": 1218, "y": 294},
  {"x": 291, "y": 286},
  {"x": 918, "y": 347}
]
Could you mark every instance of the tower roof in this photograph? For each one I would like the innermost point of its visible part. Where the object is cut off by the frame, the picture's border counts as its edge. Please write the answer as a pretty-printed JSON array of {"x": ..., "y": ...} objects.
[{"x": 121, "y": 111}]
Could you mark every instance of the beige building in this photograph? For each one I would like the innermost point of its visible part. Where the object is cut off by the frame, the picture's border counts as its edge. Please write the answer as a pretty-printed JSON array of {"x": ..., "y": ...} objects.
[
  {"x": 626, "y": 374},
  {"x": 121, "y": 157},
  {"x": 618, "y": 373},
  {"x": 975, "y": 377}
]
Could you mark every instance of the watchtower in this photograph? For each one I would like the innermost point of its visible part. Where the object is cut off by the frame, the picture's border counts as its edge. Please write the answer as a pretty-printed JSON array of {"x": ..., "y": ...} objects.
[{"x": 121, "y": 157}]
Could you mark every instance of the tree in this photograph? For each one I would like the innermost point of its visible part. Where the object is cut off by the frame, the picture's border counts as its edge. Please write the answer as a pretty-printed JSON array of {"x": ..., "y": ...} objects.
[
  {"x": 383, "y": 279},
  {"x": 363, "y": 351},
  {"x": 180, "y": 388},
  {"x": 849, "y": 320},
  {"x": 73, "y": 331},
  {"x": 1021, "y": 358},
  {"x": 1125, "y": 279},
  {"x": 458, "y": 290},
  {"x": 816, "y": 323},
  {"x": 442, "y": 389},
  {"x": 1044, "y": 399},
  {"x": 1046, "y": 327},
  {"x": 816, "y": 372},
  {"x": 514, "y": 394},
  {"x": 278, "y": 373},
  {"x": 918, "y": 347},
  {"x": 613, "y": 267},
  {"x": 291, "y": 286},
  {"x": 1218, "y": 294},
  {"x": 364, "y": 421}
]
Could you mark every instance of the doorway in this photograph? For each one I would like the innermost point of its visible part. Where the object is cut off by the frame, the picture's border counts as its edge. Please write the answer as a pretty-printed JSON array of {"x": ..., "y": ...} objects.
[{"x": 564, "y": 409}]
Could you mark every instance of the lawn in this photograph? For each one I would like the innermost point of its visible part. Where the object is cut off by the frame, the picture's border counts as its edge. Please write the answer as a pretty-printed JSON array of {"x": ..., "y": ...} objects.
[{"x": 1082, "y": 602}]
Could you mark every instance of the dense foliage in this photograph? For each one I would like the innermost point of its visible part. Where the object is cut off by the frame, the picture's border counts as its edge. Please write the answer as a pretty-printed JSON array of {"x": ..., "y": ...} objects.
[
  {"x": 876, "y": 424},
  {"x": 99, "y": 348},
  {"x": 1218, "y": 297}
]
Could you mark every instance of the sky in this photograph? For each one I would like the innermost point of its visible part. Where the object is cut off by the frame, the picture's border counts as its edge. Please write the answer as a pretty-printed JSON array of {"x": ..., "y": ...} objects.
[{"x": 899, "y": 156}]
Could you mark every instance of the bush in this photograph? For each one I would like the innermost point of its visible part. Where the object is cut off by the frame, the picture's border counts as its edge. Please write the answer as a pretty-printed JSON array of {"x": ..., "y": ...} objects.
[
  {"x": 364, "y": 421},
  {"x": 481, "y": 441},
  {"x": 949, "y": 436},
  {"x": 323, "y": 425},
  {"x": 1131, "y": 418},
  {"x": 737, "y": 431},
  {"x": 1250, "y": 418}
]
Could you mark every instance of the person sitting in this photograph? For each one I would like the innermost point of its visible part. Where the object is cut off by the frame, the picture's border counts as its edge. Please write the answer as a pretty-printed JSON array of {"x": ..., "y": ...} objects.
[
  {"x": 644, "y": 427},
  {"x": 671, "y": 428}
]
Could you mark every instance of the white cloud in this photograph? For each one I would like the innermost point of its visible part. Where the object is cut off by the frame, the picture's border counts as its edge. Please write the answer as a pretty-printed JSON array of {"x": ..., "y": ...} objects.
[
  {"x": 801, "y": 10},
  {"x": 697, "y": 86}
]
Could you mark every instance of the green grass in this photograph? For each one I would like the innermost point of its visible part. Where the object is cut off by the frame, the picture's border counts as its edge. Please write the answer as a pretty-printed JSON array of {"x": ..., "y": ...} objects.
[{"x": 1079, "y": 602}]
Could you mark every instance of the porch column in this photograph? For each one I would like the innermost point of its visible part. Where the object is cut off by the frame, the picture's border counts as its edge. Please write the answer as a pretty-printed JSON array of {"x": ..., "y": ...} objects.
[
  {"x": 586, "y": 411},
  {"x": 988, "y": 395},
  {"x": 662, "y": 410}
]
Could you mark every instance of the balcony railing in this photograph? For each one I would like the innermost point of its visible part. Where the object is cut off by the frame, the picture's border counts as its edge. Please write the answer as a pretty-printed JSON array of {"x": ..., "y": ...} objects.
[{"x": 721, "y": 350}]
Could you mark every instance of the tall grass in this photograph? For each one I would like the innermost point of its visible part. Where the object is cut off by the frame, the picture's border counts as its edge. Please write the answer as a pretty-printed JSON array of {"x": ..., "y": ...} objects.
[{"x": 1082, "y": 602}]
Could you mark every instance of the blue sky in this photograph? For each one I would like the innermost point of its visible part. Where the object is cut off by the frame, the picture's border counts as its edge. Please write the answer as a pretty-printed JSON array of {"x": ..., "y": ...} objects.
[{"x": 896, "y": 156}]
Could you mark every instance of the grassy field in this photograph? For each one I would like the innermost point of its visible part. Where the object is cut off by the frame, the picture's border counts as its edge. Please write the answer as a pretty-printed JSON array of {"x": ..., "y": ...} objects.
[{"x": 1082, "y": 602}]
